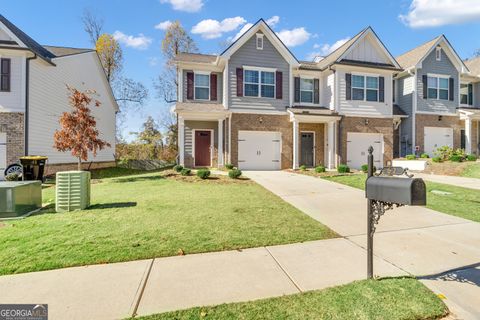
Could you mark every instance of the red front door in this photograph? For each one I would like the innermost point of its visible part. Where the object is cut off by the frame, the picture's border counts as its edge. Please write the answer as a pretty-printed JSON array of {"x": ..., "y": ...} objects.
[{"x": 203, "y": 143}]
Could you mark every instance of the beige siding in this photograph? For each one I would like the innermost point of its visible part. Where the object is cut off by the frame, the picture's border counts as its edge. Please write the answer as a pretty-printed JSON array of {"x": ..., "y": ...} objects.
[
  {"x": 48, "y": 99},
  {"x": 368, "y": 50},
  {"x": 13, "y": 101}
]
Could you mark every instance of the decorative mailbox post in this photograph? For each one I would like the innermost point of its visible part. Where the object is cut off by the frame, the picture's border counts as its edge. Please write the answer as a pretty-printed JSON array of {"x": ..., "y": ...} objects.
[{"x": 393, "y": 187}]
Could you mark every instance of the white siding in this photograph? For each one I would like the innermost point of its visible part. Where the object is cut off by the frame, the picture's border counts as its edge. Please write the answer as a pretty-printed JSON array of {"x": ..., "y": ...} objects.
[
  {"x": 4, "y": 36},
  {"x": 13, "y": 101},
  {"x": 327, "y": 90},
  {"x": 368, "y": 50},
  {"x": 49, "y": 99}
]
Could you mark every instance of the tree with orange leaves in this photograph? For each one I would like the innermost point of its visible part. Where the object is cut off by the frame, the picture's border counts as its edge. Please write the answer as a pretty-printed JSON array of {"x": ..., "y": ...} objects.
[{"x": 78, "y": 132}]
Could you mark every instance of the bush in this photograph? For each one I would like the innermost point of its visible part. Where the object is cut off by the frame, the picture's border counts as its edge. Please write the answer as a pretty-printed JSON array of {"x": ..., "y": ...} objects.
[
  {"x": 437, "y": 159},
  {"x": 320, "y": 169},
  {"x": 365, "y": 168},
  {"x": 471, "y": 157},
  {"x": 456, "y": 158},
  {"x": 303, "y": 167},
  {"x": 424, "y": 156},
  {"x": 229, "y": 166},
  {"x": 444, "y": 153},
  {"x": 178, "y": 168},
  {"x": 343, "y": 168},
  {"x": 203, "y": 173},
  {"x": 185, "y": 172},
  {"x": 234, "y": 173},
  {"x": 12, "y": 177},
  {"x": 410, "y": 157}
]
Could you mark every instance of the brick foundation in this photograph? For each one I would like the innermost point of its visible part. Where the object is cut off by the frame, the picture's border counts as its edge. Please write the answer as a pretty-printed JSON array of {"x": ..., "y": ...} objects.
[
  {"x": 426, "y": 120},
  {"x": 475, "y": 146},
  {"x": 13, "y": 124}
]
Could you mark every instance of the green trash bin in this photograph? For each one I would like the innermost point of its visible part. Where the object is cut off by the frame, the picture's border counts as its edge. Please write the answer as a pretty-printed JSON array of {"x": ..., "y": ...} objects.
[{"x": 33, "y": 167}]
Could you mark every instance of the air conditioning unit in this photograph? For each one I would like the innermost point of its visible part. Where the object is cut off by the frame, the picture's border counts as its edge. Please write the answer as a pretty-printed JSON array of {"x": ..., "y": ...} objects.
[{"x": 72, "y": 190}]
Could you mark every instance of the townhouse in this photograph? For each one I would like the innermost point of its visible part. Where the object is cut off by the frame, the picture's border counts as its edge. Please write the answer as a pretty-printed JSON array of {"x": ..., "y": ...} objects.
[{"x": 258, "y": 107}]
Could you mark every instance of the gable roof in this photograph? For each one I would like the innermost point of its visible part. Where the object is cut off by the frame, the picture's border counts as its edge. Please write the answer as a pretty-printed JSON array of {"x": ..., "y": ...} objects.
[
  {"x": 66, "y": 51},
  {"x": 473, "y": 65},
  {"x": 196, "y": 57}
]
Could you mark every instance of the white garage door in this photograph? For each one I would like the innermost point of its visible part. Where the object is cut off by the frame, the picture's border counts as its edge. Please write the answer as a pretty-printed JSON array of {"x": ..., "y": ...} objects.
[
  {"x": 259, "y": 150},
  {"x": 3, "y": 153},
  {"x": 435, "y": 137},
  {"x": 357, "y": 149}
]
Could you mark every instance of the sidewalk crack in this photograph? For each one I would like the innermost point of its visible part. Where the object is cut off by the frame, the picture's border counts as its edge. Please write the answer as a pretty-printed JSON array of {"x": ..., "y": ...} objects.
[
  {"x": 285, "y": 271},
  {"x": 142, "y": 289}
]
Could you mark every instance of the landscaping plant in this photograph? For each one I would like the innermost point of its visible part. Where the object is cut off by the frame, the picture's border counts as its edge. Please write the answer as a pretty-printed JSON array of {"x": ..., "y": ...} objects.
[
  {"x": 410, "y": 157},
  {"x": 229, "y": 166},
  {"x": 235, "y": 173},
  {"x": 203, "y": 173},
  {"x": 424, "y": 156},
  {"x": 178, "y": 168},
  {"x": 365, "y": 168},
  {"x": 303, "y": 167},
  {"x": 343, "y": 168},
  {"x": 185, "y": 172},
  {"x": 471, "y": 157},
  {"x": 456, "y": 158},
  {"x": 437, "y": 159},
  {"x": 444, "y": 153},
  {"x": 320, "y": 169}
]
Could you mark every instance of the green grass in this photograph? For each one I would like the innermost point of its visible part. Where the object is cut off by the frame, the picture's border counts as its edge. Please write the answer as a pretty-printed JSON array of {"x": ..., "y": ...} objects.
[
  {"x": 393, "y": 299},
  {"x": 462, "y": 202},
  {"x": 153, "y": 215},
  {"x": 472, "y": 171}
]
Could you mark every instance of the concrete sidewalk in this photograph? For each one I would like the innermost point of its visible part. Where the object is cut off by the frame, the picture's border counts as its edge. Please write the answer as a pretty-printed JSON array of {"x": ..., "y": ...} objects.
[{"x": 464, "y": 182}]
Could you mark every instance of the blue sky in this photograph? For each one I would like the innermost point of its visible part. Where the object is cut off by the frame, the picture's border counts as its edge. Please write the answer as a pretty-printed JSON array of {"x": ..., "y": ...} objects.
[{"x": 308, "y": 27}]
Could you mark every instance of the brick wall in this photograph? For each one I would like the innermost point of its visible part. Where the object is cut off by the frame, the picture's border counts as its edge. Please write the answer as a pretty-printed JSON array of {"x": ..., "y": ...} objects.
[
  {"x": 475, "y": 147},
  {"x": 261, "y": 122},
  {"x": 426, "y": 120},
  {"x": 13, "y": 124},
  {"x": 319, "y": 129},
  {"x": 375, "y": 125}
]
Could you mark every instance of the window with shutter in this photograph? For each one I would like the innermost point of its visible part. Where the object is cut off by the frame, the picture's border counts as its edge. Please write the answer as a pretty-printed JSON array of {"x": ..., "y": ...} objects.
[{"x": 5, "y": 66}]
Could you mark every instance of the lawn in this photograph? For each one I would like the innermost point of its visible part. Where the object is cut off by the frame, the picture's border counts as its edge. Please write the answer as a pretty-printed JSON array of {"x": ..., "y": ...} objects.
[
  {"x": 472, "y": 170},
  {"x": 461, "y": 202},
  {"x": 153, "y": 215},
  {"x": 394, "y": 298}
]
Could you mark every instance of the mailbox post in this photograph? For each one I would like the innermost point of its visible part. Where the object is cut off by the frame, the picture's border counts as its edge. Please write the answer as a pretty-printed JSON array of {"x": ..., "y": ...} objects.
[{"x": 385, "y": 191}]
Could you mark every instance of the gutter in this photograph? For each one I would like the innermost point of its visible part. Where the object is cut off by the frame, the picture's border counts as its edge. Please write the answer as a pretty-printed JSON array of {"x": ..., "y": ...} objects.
[{"x": 27, "y": 101}]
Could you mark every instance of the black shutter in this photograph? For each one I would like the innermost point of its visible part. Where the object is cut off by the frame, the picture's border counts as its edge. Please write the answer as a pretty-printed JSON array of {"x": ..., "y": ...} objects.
[
  {"x": 381, "y": 89},
  {"x": 425, "y": 90},
  {"x": 5, "y": 74},
  {"x": 213, "y": 87},
  {"x": 278, "y": 84},
  {"x": 316, "y": 91},
  {"x": 451, "y": 91},
  {"x": 470, "y": 94},
  {"x": 348, "y": 84},
  {"x": 297, "y": 89},
  {"x": 190, "y": 79},
  {"x": 239, "y": 82}
]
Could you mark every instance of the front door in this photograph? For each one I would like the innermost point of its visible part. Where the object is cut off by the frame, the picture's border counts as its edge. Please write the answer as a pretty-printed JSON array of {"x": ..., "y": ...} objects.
[
  {"x": 307, "y": 149},
  {"x": 203, "y": 146}
]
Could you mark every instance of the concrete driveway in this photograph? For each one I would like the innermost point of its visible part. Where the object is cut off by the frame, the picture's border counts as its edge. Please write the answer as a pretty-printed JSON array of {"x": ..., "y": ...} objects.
[{"x": 443, "y": 250}]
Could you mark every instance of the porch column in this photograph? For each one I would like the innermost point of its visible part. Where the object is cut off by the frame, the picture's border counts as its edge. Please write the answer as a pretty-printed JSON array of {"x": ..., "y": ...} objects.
[
  {"x": 468, "y": 135},
  {"x": 220, "y": 143},
  {"x": 181, "y": 140},
  {"x": 331, "y": 145},
  {"x": 295, "y": 144}
]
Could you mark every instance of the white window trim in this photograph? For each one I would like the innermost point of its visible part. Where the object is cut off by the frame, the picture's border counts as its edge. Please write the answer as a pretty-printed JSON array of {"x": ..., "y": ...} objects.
[
  {"x": 438, "y": 54},
  {"x": 313, "y": 91},
  {"x": 203, "y": 73},
  {"x": 259, "y": 36},
  {"x": 365, "y": 75},
  {"x": 259, "y": 83},
  {"x": 460, "y": 93},
  {"x": 438, "y": 76}
]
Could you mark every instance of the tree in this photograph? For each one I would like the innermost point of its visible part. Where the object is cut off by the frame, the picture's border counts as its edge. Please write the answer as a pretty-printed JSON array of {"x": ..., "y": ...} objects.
[
  {"x": 150, "y": 133},
  {"x": 78, "y": 132},
  {"x": 110, "y": 54},
  {"x": 93, "y": 25}
]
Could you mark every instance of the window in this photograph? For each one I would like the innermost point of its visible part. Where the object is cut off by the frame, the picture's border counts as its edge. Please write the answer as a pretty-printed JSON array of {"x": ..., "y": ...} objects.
[
  {"x": 438, "y": 54},
  {"x": 5, "y": 74},
  {"x": 202, "y": 86},
  {"x": 306, "y": 90},
  {"x": 364, "y": 88},
  {"x": 464, "y": 96},
  {"x": 437, "y": 88},
  {"x": 259, "y": 41},
  {"x": 259, "y": 83}
]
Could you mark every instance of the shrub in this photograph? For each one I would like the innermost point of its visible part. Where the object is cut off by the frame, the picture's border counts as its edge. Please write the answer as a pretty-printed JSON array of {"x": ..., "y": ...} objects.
[
  {"x": 178, "y": 168},
  {"x": 456, "y": 158},
  {"x": 303, "y": 167},
  {"x": 12, "y": 177},
  {"x": 444, "y": 153},
  {"x": 343, "y": 168},
  {"x": 471, "y": 157},
  {"x": 185, "y": 172},
  {"x": 234, "y": 173},
  {"x": 320, "y": 169},
  {"x": 424, "y": 156},
  {"x": 229, "y": 166},
  {"x": 410, "y": 157},
  {"x": 437, "y": 159},
  {"x": 365, "y": 168},
  {"x": 203, "y": 173}
]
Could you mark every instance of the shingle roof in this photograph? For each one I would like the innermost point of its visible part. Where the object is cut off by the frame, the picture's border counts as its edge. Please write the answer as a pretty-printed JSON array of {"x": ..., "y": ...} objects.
[
  {"x": 473, "y": 65},
  {"x": 412, "y": 57},
  {"x": 66, "y": 51},
  {"x": 195, "y": 57},
  {"x": 199, "y": 107},
  {"x": 309, "y": 65}
]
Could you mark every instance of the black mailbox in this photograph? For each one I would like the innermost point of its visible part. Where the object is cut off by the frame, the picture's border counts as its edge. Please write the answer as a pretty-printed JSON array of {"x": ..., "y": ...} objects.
[{"x": 405, "y": 191}]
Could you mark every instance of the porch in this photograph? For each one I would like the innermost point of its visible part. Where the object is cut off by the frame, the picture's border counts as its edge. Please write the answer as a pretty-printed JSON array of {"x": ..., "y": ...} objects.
[{"x": 471, "y": 118}]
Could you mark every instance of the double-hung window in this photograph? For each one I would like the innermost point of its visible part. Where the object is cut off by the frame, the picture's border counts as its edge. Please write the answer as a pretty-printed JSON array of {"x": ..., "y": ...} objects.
[
  {"x": 306, "y": 90},
  {"x": 364, "y": 88},
  {"x": 259, "y": 83},
  {"x": 437, "y": 88},
  {"x": 202, "y": 86},
  {"x": 464, "y": 95}
]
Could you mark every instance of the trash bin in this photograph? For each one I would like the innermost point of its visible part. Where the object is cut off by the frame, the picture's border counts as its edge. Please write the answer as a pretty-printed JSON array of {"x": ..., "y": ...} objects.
[{"x": 33, "y": 167}]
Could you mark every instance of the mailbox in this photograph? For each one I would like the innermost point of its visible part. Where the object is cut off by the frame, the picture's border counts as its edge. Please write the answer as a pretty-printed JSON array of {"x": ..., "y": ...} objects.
[{"x": 405, "y": 191}]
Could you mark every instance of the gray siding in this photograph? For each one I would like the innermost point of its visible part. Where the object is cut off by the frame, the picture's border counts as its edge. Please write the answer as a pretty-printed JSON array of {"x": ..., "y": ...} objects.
[
  {"x": 476, "y": 95},
  {"x": 443, "y": 67},
  {"x": 219, "y": 88},
  {"x": 190, "y": 125},
  {"x": 404, "y": 92},
  {"x": 269, "y": 57}
]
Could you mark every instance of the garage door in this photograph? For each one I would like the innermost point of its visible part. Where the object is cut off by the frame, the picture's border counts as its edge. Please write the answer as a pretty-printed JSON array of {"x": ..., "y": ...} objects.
[
  {"x": 357, "y": 149},
  {"x": 3, "y": 153},
  {"x": 259, "y": 150},
  {"x": 435, "y": 137}
]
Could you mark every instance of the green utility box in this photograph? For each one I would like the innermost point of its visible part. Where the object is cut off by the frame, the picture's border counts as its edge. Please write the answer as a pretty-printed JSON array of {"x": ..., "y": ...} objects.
[
  {"x": 72, "y": 190},
  {"x": 18, "y": 198}
]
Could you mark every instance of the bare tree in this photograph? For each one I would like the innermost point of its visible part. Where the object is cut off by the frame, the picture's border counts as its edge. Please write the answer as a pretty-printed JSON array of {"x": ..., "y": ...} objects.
[{"x": 93, "y": 25}]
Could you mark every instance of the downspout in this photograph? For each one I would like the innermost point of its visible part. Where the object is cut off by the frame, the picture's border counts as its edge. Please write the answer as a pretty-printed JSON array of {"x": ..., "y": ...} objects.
[{"x": 27, "y": 101}]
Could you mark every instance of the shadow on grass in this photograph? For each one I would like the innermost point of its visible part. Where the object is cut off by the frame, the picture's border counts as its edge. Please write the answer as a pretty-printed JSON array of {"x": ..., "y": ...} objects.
[{"x": 112, "y": 205}]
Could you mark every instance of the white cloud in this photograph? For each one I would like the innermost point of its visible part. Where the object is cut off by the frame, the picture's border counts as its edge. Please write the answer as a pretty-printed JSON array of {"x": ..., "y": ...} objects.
[
  {"x": 185, "y": 5},
  {"x": 163, "y": 25},
  {"x": 294, "y": 37},
  {"x": 273, "y": 21},
  {"x": 326, "y": 49},
  {"x": 140, "y": 42},
  {"x": 434, "y": 13},
  {"x": 211, "y": 29}
]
